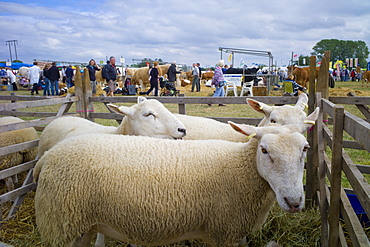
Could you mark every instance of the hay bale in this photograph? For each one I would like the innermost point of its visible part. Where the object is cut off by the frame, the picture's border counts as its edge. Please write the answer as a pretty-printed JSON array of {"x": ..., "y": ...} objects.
[{"x": 343, "y": 91}]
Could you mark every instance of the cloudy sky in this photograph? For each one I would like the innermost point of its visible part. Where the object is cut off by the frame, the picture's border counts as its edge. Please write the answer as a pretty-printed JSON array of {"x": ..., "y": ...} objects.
[{"x": 185, "y": 31}]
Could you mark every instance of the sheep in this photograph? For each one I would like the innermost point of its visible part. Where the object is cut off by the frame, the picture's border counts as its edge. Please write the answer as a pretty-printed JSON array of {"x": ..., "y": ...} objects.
[
  {"x": 15, "y": 137},
  {"x": 23, "y": 71},
  {"x": 147, "y": 117},
  {"x": 213, "y": 190},
  {"x": 199, "y": 128}
]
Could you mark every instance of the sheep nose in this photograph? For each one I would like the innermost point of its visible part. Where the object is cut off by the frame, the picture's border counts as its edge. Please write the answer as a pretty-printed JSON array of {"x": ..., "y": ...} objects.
[
  {"x": 293, "y": 204},
  {"x": 182, "y": 130}
]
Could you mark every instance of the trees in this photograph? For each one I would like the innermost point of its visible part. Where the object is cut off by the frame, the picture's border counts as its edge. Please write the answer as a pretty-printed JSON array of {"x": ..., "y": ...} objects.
[{"x": 342, "y": 49}]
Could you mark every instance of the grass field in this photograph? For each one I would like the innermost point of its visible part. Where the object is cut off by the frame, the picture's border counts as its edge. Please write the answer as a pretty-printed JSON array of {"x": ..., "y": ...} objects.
[{"x": 288, "y": 230}]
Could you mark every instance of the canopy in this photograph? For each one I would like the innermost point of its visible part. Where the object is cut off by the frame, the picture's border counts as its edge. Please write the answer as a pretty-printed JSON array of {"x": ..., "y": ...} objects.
[{"x": 16, "y": 65}]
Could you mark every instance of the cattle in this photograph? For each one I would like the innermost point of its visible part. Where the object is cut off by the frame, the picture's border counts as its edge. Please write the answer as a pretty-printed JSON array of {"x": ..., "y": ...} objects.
[
  {"x": 366, "y": 77},
  {"x": 207, "y": 75},
  {"x": 302, "y": 75},
  {"x": 141, "y": 75},
  {"x": 248, "y": 71}
]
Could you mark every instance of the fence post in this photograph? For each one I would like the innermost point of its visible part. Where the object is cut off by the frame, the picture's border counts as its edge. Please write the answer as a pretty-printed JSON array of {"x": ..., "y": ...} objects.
[
  {"x": 87, "y": 89},
  {"x": 312, "y": 159},
  {"x": 13, "y": 99},
  {"x": 336, "y": 172},
  {"x": 323, "y": 76},
  {"x": 79, "y": 92},
  {"x": 323, "y": 202},
  {"x": 182, "y": 106}
]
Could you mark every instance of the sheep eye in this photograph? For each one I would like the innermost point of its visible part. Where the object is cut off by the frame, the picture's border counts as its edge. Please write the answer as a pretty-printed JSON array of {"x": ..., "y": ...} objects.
[
  {"x": 305, "y": 149},
  {"x": 148, "y": 114},
  {"x": 264, "y": 151},
  {"x": 273, "y": 121}
]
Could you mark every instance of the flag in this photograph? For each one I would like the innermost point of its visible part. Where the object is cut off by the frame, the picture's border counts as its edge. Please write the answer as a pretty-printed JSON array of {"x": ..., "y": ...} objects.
[
  {"x": 350, "y": 62},
  {"x": 241, "y": 62},
  {"x": 356, "y": 62},
  {"x": 230, "y": 57},
  {"x": 295, "y": 57}
]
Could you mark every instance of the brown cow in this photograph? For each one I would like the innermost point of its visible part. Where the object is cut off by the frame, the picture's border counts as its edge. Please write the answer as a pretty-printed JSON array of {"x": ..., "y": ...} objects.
[
  {"x": 302, "y": 75},
  {"x": 207, "y": 75},
  {"x": 366, "y": 77}
]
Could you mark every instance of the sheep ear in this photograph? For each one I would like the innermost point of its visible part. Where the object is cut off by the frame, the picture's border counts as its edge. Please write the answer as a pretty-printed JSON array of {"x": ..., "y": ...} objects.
[
  {"x": 141, "y": 99},
  {"x": 302, "y": 101},
  {"x": 260, "y": 107},
  {"x": 123, "y": 110},
  {"x": 249, "y": 131},
  {"x": 310, "y": 120}
]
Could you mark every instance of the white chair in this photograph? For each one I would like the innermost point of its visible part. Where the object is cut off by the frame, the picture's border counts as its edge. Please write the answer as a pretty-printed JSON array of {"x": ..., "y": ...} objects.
[
  {"x": 230, "y": 86},
  {"x": 247, "y": 87}
]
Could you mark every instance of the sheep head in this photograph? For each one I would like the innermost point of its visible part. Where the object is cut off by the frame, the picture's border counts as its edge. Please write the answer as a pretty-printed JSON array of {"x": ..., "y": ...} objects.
[{"x": 280, "y": 155}]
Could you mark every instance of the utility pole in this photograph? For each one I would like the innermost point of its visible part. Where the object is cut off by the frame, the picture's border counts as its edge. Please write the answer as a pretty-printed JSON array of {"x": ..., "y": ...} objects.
[{"x": 15, "y": 43}]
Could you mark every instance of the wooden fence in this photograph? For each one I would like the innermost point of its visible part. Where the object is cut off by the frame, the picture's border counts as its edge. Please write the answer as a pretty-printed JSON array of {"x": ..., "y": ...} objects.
[{"x": 329, "y": 195}]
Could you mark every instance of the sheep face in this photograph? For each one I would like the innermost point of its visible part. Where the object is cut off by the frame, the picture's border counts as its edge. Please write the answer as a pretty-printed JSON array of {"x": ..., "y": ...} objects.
[
  {"x": 283, "y": 115},
  {"x": 280, "y": 159},
  {"x": 151, "y": 118}
]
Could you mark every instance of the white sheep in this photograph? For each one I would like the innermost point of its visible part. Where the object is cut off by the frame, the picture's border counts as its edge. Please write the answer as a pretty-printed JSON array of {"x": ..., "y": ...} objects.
[
  {"x": 14, "y": 137},
  {"x": 213, "y": 190},
  {"x": 200, "y": 128},
  {"x": 147, "y": 118}
]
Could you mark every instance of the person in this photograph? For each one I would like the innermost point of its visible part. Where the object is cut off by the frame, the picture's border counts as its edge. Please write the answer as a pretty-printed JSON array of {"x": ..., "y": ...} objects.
[
  {"x": 11, "y": 77},
  {"x": 92, "y": 67},
  {"x": 200, "y": 72},
  {"x": 63, "y": 74},
  {"x": 34, "y": 77},
  {"x": 69, "y": 76},
  {"x": 154, "y": 79},
  {"x": 218, "y": 81},
  {"x": 54, "y": 78},
  {"x": 296, "y": 86},
  {"x": 225, "y": 68},
  {"x": 109, "y": 73},
  {"x": 46, "y": 79},
  {"x": 196, "y": 82},
  {"x": 353, "y": 75},
  {"x": 172, "y": 73}
]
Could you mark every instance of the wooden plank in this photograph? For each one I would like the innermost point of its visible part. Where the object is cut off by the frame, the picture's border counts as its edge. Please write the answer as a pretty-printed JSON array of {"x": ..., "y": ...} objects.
[
  {"x": 354, "y": 227},
  {"x": 89, "y": 107},
  {"x": 18, "y": 147},
  {"x": 342, "y": 238},
  {"x": 26, "y": 124},
  {"x": 29, "y": 104},
  {"x": 352, "y": 145},
  {"x": 19, "y": 200},
  {"x": 106, "y": 115},
  {"x": 202, "y": 100},
  {"x": 79, "y": 92},
  {"x": 337, "y": 144},
  {"x": 31, "y": 114},
  {"x": 312, "y": 159},
  {"x": 364, "y": 109},
  {"x": 363, "y": 168},
  {"x": 22, "y": 97},
  {"x": 358, "y": 128},
  {"x": 17, "y": 169},
  {"x": 321, "y": 174},
  {"x": 65, "y": 107},
  {"x": 12, "y": 195},
  {"x": 350, "y": 100},
  {"x": 328, "y": 107},
  {"x": 182, "y": 107},
  {"x": 119, "y": 120},
  {"x": 323, "y": 76},
  {"x": 357, "y": 181}
]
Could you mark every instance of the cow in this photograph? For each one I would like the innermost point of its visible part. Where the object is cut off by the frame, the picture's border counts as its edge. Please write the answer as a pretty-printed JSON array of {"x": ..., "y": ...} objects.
[
  {"x": 302, "y": 75},
  {"x": 207, "y": 75},
  {"x": 366, "y": 78},
  {"x": 248, "y": 71}
]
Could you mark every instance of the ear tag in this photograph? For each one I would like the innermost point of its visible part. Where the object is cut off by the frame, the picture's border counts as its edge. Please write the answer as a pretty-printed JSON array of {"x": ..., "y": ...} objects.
[
  {"x": 261, "y": 107},
  {"x": 251, "y": 136},
  {"x": 305, "y": 105},
  {"x": 309, "y": 122}
]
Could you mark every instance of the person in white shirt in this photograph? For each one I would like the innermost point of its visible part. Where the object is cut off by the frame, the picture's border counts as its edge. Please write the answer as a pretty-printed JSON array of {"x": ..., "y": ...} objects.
[
  {"x": 11, "y": 77},
  {"x": 196, "y": 80},
  {"x": 34, "y": 76}
]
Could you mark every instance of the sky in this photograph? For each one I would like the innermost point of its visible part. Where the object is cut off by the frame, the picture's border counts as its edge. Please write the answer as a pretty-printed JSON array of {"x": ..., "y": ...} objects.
[{"x": 182, "y": 31}]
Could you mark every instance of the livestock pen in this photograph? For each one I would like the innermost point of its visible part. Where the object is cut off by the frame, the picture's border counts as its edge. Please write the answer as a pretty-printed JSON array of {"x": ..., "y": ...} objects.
[{"x": 327, "y": 193}]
